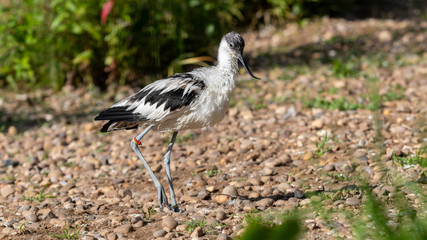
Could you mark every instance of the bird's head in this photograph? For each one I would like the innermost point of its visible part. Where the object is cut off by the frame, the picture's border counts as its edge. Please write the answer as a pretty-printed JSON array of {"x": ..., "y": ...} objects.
[{"x": 233, "y": 44}]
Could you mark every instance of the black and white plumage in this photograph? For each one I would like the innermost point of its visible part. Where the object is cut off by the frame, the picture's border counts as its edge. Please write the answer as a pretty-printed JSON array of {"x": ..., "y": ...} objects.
[{"x": 192, "y": 100}]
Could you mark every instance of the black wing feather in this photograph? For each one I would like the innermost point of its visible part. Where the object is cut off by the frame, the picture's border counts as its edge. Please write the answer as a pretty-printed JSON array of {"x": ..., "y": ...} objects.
[
  {"x": 119, "y": 114},
  {"x": 124, "y": 118}
]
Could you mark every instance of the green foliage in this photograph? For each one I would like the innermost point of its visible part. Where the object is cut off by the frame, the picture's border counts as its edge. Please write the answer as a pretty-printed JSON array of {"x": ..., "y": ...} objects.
[
  {"x": 39, "y": 198},
  {"x": 68, "y": 232},
  {"x": 394, "y": 94},
  {"x": 193, "y": 224},
  {"x": 213, "y": 172},
  {"x": 321, "y": 147},
  {"x": 150, "y": 212},
  {"x": 338, "y": 176},
  {"x": 286, "y": 9},
  {"x": 183, "y": 138},
  {"x": 375, "y": 99},
  {"x": 419, "y": 157},
  {"x": 50, "y": 42},
  {"x": 341, "y": 104},
  {"x": 257, "y": 229},
  {"x": 375, "y": 223},
  {"x": 346, "y": 69}
]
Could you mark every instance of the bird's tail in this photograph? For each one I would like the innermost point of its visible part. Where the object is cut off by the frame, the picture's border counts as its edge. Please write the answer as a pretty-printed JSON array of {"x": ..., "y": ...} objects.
[{"x": 119, "y": 118}]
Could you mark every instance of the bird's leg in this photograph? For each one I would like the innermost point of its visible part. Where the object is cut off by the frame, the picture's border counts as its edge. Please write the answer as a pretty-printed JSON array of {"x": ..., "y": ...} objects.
[
  {"x": 161, "y": 192},
  {"x": 168, "y": 172}
]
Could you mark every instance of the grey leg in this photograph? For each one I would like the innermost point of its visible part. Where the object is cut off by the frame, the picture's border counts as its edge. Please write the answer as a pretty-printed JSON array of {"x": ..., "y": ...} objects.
[
  {"x": 168, "y": 172},
  {"x": 161, "y": 192}
]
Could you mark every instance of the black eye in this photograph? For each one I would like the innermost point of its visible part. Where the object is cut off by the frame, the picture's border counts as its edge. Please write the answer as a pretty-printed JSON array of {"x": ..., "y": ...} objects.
[{"x": 231, "y": 45}]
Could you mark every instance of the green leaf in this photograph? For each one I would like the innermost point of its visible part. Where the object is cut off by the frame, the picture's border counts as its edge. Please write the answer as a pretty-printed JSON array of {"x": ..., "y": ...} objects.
[{"x": 83, "y": 57}]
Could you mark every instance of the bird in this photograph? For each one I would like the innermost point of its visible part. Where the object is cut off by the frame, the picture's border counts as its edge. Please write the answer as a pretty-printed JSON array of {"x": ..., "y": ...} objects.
[{"x": 191, "y": 100}]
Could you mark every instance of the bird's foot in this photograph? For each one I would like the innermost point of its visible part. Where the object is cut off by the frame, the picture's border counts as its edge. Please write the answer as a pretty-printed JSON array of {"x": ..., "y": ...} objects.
[
  {"x": 175, "y": 208},
  {"x": 163, "y": 199}
]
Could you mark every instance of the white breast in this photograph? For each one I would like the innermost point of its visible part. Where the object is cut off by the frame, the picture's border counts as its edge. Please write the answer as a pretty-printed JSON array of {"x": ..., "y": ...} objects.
[{"x": 209, "y": 108}]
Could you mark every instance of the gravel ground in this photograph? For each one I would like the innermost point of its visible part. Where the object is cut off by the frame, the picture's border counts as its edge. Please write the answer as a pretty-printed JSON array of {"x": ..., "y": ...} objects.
[{"x": 266, "y": 156}]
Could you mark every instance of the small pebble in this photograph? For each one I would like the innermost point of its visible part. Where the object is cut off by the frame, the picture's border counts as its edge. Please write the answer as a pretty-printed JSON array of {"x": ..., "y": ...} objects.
[
  {"x": 223, "y": 236},
  {"x": 12, "y": 131},
  {"x": 123, "y": 229},
  {"x": 307, "y": 156},
  {"x": 32, "y": 218},
  {"x": 352, "y": 201},
  {"x": 111, "y": 236},
  {"x": 159, "y": 233},
  {"x": 198, "y": 232},
  {"x": 266, "y": 202},
  {"x": 169, "y": 223},
  {"x": 222, "y": 198},
  {"x": 230, "y": 191},
  {"x": 7, "y": 190},
  {"x": 317, "y": 124},
  {"x": 329, "y": 167},
  {"x": 10, "y": 162},
  {"x": 221, "y": 215},
  {"x": 268, "y": 171},
  {"x": 253, "y": 195},
  {"x": 298, "y": 194}
]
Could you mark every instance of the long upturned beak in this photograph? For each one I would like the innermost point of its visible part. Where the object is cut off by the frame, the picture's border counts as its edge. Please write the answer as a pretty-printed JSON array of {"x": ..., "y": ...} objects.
[{"x": 239, "y": 55}]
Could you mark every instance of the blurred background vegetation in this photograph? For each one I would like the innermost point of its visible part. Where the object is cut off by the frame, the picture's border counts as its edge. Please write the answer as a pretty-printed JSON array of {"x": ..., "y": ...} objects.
[{"x": 45, "y": 43}]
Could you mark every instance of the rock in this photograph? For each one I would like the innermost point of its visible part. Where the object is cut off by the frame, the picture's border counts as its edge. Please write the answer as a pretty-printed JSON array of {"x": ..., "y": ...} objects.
[
  {"x": 111, "y": 194},
  {"x": 344, "y": 166},
  {"x": 210, "y": 188},
  {"x": 241, "y": 184},
  {"x": 422, "y": 178},
  {"x": 280, "y": 110},
  {"x": 169, "y": 223},
  {"x": 138, "y": 225},
  {"x": 268, "y": 171},
  {"x": 111, "y": 236},
  {"x": 8, "y": 231},
  {"x": 255, "y": 181},
  {"x": 305, "y": 202},
  {"x": 283, "y": 186},
  {"x": 88, "y": 237},
  {"x": 211, "y": 221},
  {"x": 223, "y": 236},
  {"x": 222, "y": 198},
  {"x": 32, "y": 217},
  {"x": 266, "y": 202},
  {"x": 248, "y": 206},
  {"x": 298, "y": 194},
  {"x": 181, "y": 228},
  {"x": 368, "y": 170},
  {"x": 48, "y": 215},
  {"x": 221, "y": 215},
  {"x": 329, "y": 167},
  {"x": 159, "y": 233},
  {"x": 7, "y": 190},
  {"x": 253, "y": 195},
  {"x": 247, "y": 114},
  {"x": 123, "y": 229},
  {"x": 353, "y": 201},
  {"x": 12, "y": 131},
  {"x": 307, "y": 156},
  {"x": 55, "y": 173},
  {"x": 198, "y": 232},
  {"x": 316, "y": 199},
  {"x": 203, "y": 195},
  {"x": 317, "y": 124},
  {"x": 10, "y": 162},
  {"x": 385, "y": 36},
  {"x": 230, "y": 191}
]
